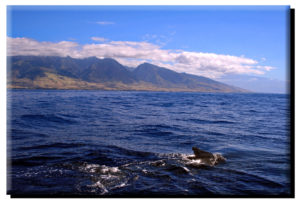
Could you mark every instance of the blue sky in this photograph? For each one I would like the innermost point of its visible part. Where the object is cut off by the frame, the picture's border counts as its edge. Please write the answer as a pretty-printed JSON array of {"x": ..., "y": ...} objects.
[{"x": 255, "y": 37}]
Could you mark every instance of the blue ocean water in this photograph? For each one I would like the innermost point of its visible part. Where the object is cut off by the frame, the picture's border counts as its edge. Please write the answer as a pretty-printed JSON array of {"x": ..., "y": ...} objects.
[{"x": 127, "y": 143}]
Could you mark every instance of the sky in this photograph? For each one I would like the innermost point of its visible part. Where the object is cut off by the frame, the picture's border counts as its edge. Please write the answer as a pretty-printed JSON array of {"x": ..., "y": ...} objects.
[{"x": 225, "y": 43}]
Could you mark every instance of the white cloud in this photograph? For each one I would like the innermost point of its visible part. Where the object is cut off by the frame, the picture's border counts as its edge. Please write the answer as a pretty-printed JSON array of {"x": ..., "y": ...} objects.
[
  {"x": 267, "y": 68},
  {"x": 100, "y": 39},
  {"x": 162, "y": 39},
  {"x": 105, "y": 23},
  {"x": 26, "y": 46},
  {"x": 132, "y": 53}
]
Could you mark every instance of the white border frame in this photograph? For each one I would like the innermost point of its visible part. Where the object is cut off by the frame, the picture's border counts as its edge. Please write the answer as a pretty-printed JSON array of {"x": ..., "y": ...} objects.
[{"x": 4, "y": 3}]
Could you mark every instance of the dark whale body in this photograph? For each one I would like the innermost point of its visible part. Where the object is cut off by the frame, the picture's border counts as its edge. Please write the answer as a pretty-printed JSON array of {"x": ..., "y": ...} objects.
[
  {"x": 206, "y": 158},
  {"x": 200, "y": 154}
]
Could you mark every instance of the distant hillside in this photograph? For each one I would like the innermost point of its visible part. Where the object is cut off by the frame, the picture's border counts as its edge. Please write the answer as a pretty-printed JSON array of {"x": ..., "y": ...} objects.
[{"x": 48, "y": 72}]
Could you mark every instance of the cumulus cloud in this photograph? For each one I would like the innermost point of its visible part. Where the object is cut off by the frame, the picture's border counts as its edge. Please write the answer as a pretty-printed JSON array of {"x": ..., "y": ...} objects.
[
  {"x": 161, "y": 39},
  {"x": 100, "y": 39},
  {"x": 26, "y": 46},
  {"x": 105, "y": 23},
  {"x": 132, "y": 53}
]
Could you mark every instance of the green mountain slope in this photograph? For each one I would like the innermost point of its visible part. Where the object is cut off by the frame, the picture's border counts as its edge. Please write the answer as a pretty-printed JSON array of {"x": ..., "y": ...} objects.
[{"x": 32, "y": 72}]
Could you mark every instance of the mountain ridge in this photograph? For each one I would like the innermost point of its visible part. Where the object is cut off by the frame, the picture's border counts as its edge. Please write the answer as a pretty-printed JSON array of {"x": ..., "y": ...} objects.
[{"x": 53, "y": 72}]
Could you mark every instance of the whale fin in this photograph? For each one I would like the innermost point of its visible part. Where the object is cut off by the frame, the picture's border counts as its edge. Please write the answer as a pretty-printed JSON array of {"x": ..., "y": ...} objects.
[
  {"x": 202, "y": 154},
  {"x": 207, "y": 158}
]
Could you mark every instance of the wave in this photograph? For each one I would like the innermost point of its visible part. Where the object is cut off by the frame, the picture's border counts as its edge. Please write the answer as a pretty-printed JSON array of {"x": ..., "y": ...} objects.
[
  {"x": 163, "y": 169},
  {"x": 204, "y": 121},
  {"x": 249, "y": 177},
  {"x": 165, "y": 105},
  {"x": 44, "y": 118},
  {"x": 20, "y": 134},
  {"x": 129, "y": 152},
  {"x": 54, "y": 145},
  {"x": 34, "y": 160},
  {"x": 215, "y": 133},
  {"x": 106, "y": 179}
]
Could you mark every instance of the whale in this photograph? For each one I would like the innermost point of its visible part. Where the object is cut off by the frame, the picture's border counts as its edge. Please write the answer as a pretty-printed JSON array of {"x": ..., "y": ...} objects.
[{"x": 206, "y": 158}]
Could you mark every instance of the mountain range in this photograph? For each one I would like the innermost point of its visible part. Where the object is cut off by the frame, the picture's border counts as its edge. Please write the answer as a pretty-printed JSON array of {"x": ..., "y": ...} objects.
[{"x": 51, "y": 72}]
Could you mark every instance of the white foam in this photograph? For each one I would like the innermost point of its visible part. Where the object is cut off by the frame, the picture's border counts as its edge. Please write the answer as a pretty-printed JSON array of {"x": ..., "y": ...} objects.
[
  {"x": 114, "y": 169},
  {"x": 88, "y": 166},
  {"x": 195, "y": 162},
  {"x": 186, "y": 169},
  {"x": 121, "y": 185},
  {"x": 189, "y": 160},
  {"x": 98, "y": 185},
  {"x": 103, "y": 169},
  {"x": 108, "y": 178}
]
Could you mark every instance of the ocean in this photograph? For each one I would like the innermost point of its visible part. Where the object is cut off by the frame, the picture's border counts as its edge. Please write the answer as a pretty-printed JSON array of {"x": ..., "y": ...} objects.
[{"x": 130, "y": 143}]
